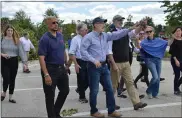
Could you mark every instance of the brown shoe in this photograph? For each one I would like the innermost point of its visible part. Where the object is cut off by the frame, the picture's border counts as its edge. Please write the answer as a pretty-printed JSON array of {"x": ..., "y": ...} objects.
[
  {"x": 98, "y": 115},
  {"x": 139, "y": 105},
  {"x": 115, "y": 114}
]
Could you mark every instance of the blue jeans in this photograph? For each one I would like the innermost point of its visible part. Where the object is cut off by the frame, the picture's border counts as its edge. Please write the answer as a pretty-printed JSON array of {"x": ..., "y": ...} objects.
[
  {"x": 154, "y": 65},
  {"x": 95, "y": 74}
]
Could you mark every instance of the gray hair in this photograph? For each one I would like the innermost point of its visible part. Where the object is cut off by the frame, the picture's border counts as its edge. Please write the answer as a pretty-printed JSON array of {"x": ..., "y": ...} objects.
[
  {"x": 151, "y": 28},
  {"x": 79, "y": 26},
  {"x": 49, "y": 18}
]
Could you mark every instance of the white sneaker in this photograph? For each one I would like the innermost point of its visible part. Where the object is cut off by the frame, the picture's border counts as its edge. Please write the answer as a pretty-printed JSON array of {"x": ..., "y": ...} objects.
[{"x": 149, "y": 96}]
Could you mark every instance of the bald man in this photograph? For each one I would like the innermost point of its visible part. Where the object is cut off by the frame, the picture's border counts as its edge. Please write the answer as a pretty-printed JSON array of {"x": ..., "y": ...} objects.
[{"x": 52, "y": 58}]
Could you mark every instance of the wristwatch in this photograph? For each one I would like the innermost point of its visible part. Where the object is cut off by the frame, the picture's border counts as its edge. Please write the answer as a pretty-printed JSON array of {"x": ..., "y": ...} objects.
[{"x": 46, "y": 75}]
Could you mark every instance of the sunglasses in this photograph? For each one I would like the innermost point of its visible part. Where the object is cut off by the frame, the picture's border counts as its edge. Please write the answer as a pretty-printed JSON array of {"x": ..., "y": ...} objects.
[
  {"x": 141, "y": 34},
  {"x": 55, "y": 22},
  {"x": 148, "y": 31}
]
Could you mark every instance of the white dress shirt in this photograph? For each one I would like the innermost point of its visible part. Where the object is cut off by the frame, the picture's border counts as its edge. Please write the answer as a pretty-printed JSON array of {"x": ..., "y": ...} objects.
[
  {"x": 130, "y": 34},
  {"x": 27, "y": 44},
  {"x": 75, "y": 46}
]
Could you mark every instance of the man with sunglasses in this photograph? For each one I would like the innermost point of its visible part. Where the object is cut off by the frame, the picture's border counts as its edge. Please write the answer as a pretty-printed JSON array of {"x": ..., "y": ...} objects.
[
  {"x": 94, "y": 48},
  {"x": 52, "y": 57},
  {"x": 119, "y": 57},
  {"x": 80, "y": 64}
]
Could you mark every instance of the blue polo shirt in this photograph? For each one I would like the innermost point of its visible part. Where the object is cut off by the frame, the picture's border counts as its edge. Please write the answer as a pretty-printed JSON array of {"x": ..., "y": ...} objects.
[{"x": 52, "y": 48}]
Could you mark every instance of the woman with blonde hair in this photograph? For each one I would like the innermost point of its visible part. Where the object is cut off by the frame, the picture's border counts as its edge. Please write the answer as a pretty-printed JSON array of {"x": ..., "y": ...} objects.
[{"x": 11, "y": 48}]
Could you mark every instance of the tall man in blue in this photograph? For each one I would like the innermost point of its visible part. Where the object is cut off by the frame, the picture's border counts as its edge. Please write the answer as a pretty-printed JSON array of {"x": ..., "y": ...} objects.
[
  {"x": 94, "y": 48},
  {"x": 52, "y": 57}
]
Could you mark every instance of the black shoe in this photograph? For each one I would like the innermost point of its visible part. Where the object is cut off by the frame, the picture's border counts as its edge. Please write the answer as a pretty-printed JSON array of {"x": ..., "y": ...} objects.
[
  {"x": 2, "y": 98},
  {"x": 83, "y": 100},
  {"x": 135, "y": 85},
  {"x": 178, "y": 93},
  {"x": 122, "y": 96},
  {"x": 140, "y": 105},
  {"x": 77, "y": 90},
  {"x": 162, "y": 79},
  {"x": 104, "y": 89},
  {"x": 117, "y": 107},
  {"x": 12, "y": 101},
  {"x": 27, "y": 71},
  {"x": 58, "y": 116},
  {"x": 124, "y": 89},
  {"x": 142, "y": 80},
  {"x": 141, "y": 96}
]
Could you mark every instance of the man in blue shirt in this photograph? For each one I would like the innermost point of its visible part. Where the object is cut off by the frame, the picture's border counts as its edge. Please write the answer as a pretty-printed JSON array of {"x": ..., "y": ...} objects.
[
  {"x": 52, "y": 57},
  {"x": 94, "y": 48},
  {"x": 69, "y": 41},
  {"x": 80, "y": 64}
]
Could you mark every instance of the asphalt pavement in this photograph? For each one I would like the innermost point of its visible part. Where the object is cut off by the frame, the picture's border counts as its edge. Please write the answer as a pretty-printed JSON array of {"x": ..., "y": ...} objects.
[{"x": 31, "y": 102}]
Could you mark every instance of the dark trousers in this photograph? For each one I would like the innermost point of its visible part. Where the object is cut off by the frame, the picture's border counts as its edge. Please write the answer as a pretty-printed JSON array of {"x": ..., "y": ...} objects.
[
  {"x": 144, "y": 73},
  {"x": 9, "y": 68},
  {"x": 130, "y": 57},
  {"x": 177, "y": 78},
  {"x": 95, "y": 74},
  {"x": 82, "y": 78},
  {"x": 59, "y": 78}
]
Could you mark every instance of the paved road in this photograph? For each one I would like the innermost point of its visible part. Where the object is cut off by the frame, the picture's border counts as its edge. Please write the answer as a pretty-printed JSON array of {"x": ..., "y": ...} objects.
[{"x": 30, "y": 97}]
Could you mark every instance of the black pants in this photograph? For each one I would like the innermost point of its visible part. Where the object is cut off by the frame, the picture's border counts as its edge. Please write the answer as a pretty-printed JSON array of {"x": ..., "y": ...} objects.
[
  {"x": 130, "y": 57},
  {"x": 9, "y": 68},
  {"x": 144, "y": 73},
  {"x": 82, "y": 78},
  {"x": 59, "y": 78},
  {"x": 177, "y": 78}
]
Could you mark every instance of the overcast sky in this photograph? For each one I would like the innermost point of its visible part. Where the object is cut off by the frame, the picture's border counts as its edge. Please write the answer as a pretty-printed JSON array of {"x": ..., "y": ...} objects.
[{"x": 87, "y": 10}]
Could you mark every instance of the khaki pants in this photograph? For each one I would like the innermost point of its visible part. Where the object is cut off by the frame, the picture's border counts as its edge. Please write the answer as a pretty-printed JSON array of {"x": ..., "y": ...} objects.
[
  {"x": 25, "y": 66},
  {"x": 125, "y": 70}
]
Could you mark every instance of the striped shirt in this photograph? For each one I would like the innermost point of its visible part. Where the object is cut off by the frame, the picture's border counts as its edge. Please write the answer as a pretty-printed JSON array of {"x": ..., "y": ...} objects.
[{"x": 8, "y": 47}]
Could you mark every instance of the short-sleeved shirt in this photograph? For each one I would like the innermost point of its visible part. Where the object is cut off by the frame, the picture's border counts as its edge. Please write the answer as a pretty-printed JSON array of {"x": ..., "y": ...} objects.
[{"x": 52, "y": 48}]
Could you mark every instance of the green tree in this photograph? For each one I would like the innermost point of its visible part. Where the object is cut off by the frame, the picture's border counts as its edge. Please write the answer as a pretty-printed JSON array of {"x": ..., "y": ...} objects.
[
  {"x": 174, "y": 13},
  {"x": 129, "y": 22},
  {"x": 68, "y": 29},
  {"x": 22, "y": 20},
  {"x": 4, "y": 22}
]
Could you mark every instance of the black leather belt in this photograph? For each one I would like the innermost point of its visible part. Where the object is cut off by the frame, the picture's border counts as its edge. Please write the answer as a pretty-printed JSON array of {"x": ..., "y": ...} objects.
[
  {"x": 56, "y": 65},
  {"x": 103, "y": 63}
]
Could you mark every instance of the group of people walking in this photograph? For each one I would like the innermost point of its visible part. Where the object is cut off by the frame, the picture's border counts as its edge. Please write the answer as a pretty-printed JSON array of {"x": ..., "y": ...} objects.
[{"x": 91, "y": 54}]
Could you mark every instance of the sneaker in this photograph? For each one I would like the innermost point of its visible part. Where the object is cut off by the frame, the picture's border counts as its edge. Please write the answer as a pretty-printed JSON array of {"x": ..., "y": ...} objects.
[
  {"x": 83, "y": 100},
  {"x": 149, "y": 95},
  {"x": 141, "y": 96},
  {"x": 98, "y": 115},
  {"x": 115, "y": 114},
  {"x": 122, "y": 96},
  {"x": 139, "y": 105},
  {"x": 157, "y": 97}
]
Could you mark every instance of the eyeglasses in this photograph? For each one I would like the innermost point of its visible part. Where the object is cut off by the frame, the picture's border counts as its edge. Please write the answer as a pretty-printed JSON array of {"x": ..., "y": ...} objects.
[
  {"x": 141, "y": 34},
  {"x": 148, "y": 31},
  {"x": 55, "y": 22}
]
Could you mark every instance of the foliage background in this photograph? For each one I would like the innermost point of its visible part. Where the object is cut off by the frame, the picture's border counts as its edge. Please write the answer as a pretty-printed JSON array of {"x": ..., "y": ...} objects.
[{"x": 22, "y": 23}]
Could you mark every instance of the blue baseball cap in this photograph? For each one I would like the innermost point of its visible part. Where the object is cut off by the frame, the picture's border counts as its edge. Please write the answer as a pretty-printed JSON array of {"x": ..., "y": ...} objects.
[{"x": 99, "y": 20}]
